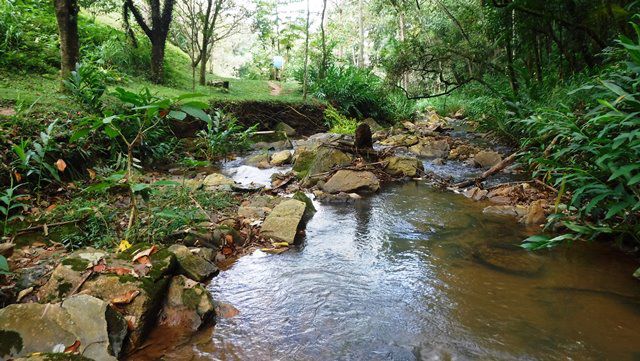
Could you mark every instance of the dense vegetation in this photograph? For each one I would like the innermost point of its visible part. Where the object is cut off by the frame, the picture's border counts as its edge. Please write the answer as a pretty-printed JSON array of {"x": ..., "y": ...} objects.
[{"x": 557, "y": 78}]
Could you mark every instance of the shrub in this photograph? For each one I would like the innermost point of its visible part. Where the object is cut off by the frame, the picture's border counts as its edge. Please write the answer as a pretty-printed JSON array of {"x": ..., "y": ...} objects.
[
  {"x": 223, "y": 135},
  {"x": 338, "y": 123},
  {"x": 87, "y": 85}
]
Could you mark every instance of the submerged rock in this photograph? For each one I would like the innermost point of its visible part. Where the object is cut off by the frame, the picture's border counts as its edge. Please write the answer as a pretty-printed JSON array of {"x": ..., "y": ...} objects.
[
  {"x": 188, "y": 304},
  {"x": 283, "y": 222},
  {"x": 509, "y": 259},
  {"x": 431, "y": 149},
  {"x": 403, "y": 166},
  {"x": 193, "y": 265},
  {"x": 535, "y": 214},
  {"x": 32, "y": 327},
  {"x": 487, "y": 159},
  {"x": 349, "y": 181}
]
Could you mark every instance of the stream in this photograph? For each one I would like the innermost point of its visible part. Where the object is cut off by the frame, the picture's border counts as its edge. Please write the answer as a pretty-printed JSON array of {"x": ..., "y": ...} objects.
[{"x": 414, "y": 273}]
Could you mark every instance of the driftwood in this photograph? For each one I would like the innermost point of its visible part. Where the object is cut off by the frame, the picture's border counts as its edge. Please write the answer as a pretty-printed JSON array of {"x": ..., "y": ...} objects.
[{"x": 493, "y": 170}]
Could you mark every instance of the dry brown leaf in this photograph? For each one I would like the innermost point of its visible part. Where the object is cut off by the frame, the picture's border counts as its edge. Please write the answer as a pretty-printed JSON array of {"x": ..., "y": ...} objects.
[
  {"x": 228, "y": 239},
  {"x": 73, "y": 348},
  {"x": 120, "y": 271},
  {"x": 227, "y": 250},
  {"x": 145, "y": 253},
  {"x": 18, "y": 176},
  {"x": 131, "y": 322},
  {"x": 61, "y": 165},
  {"x": 126, "y": 298},
  {"x": 144, "y": 260},
  {"x": 92, "y": 173}
]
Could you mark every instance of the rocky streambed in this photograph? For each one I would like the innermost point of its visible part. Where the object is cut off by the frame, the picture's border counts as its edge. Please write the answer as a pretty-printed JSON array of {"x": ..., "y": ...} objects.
[{"x": 379, "y": 256}]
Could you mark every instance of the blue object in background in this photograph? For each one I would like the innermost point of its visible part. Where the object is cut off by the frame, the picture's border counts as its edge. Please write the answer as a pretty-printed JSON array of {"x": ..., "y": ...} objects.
[{"x": 278, "y": 62}]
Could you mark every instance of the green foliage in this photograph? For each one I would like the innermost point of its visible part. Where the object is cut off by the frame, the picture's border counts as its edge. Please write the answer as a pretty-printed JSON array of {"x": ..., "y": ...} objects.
[
  {"x": 223, "y": 135},
  {"x": 97, "y": 227},
  {"x": 338, "y": 123},
  {"x": 33, "y": 158},
  {"x": 358, "y": 93},
  {"x": 87, "y": 85},
  {"x": 4, "y": 266},
  {"x": 595, "y": 156},
  {"x": 9, "y": 203}
]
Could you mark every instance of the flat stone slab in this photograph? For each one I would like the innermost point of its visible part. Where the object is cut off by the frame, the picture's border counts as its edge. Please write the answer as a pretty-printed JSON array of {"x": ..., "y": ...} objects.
[{"x": 283, "y": 222}]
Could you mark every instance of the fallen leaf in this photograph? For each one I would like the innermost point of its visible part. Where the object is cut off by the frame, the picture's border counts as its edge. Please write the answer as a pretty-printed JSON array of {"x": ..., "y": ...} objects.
[
  {"x": 23, "y": 293},
  {"x": 146, "y": 253},
  {"x": 280, "y": 244},
  {"x": 120, "y": 271},
  {"x": 92, "y": 173},
  {"x": 18, "y": 176},
  {"x": 144, "y": 260},
  {"x": 126, "y": 298},
  {"x": 99, "y": 268},
  {"x": 124, "y": 245},
  {"x": 73, "y": 348},
  {"x": 228, "y": 239},
  {"x": 61, "y": 165},
  {"x": 227, "y": 250},
  {"x": 50, "y": 208}
]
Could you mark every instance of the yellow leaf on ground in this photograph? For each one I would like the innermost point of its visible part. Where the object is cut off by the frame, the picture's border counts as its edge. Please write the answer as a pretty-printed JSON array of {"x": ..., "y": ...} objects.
[{"x": 124, "y": 245}]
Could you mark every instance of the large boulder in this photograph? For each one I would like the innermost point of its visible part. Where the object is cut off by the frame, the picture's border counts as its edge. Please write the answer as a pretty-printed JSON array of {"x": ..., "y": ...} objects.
[
  {"x": 281, "y": 157},
  {"x": 188, "y": 304},
  {"x": 403, "y": 166},
  {"x": 348, "y": 181},
  {"x": 401, "y": 140},
  {"x": 431, "y": 149},
  {"x": 309, "y": 209},
  {"x": 326, "y": 159},
  {"x": 283, "y": 222},
  {"x": 302, "y": 159},
  {"x": 257, "y": 207},
  {"x": 487, "y": 159},
  {"x": 138, "y": 289},
  {"x": 193, "y": 265},
  {"x": 33, "y": 327}
]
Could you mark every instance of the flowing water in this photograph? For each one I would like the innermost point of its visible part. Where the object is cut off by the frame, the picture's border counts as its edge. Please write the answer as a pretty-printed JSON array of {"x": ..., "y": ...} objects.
[{"x": 413, "y": 273}]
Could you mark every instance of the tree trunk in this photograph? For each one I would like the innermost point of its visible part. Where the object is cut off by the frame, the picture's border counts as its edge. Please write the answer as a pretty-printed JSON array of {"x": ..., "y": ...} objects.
[
  {"x": 67, "y": 16},
  {"x": 306, "y": 58},
  {"x": 203, "y": 65},
  {"x": 157, "y": 60},
  {"x": 323, "y": 61},
  {"x": 361, "y": 53},
  {"x": 513, "y": 80}
]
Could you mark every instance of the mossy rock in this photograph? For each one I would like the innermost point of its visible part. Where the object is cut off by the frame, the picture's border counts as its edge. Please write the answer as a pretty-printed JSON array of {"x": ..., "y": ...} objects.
[
  {"x": 191, "y": 265},
  {"x": 309, "y": 209},
  {"x": 188, "y": 304},
  {"x": 303, "y": 158}
]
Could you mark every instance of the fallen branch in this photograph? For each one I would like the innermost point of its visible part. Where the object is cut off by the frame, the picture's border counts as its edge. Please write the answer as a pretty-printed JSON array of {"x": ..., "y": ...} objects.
[
  {"x": 493, "y": 170},
  {"x": 45, "y": 226}
]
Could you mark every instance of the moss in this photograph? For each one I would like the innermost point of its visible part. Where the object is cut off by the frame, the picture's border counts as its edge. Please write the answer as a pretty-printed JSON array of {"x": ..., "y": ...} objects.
[
  {"x": 303, "y": 162},
  {"x": 76, "y": 264},
  {"x": 163, "y": 263},
  {"x": 190, "y": 298},
  {"x": 10, "y": 343},
  {"x": 64, "y": 288},
  {"x": 127, "y": 279},
  {"x": 63, "y": 357}
]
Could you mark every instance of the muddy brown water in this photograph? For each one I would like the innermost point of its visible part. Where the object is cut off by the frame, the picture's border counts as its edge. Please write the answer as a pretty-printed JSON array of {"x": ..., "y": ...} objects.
[{"x": 417, "y": 274}]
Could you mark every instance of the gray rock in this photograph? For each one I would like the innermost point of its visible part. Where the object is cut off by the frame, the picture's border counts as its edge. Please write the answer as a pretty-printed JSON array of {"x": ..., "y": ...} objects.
[
  {"x": 403, "y": 166},
  {"x": 260, "y": 160},
  {"x": 32, "y": 327},
  {"x": 309, "y": 209},
  {"x": 431, "y": 149},
  {"x": 375, "y": 126},
  {"x": 280, "y": 158},
  {"x": 192, "y": 265},
  {"x": 283, "y": 222},
  {"x": 216, "y": 180},
  {"x": 188, "y": 304},
  {"x": 349, "y": 181},
  {"x": 487, "y": 159},
  {"x": 326, "y": 159}
]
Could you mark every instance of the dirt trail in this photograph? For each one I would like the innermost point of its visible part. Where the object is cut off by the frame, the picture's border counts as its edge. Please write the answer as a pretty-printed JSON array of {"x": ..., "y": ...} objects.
[{"x": 276, "y": 88}]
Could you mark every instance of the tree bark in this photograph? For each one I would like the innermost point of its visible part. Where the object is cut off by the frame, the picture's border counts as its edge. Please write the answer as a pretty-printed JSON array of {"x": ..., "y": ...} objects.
[
  {"x": 305, "y": 83},
  {"x": 157, "y": 59},
  {"x": 323, "y": 61},
  {"x": 67, "y": 17}
]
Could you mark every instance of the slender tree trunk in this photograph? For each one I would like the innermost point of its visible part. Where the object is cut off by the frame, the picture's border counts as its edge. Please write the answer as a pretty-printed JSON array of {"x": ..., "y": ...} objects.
[
  {"x": 306, "y": 58},
  {"x": 67, "y": 16},
  {"x": 361, "y": 23},
  {"x": 157, "y": 59},
  {"x": 538, "y": 58},
  {"x": 405, "y": 75},
  {"x": 203, "y": 64},
  {"x": 513, "y": 79},
  {"x": 323, "y": 61}
]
